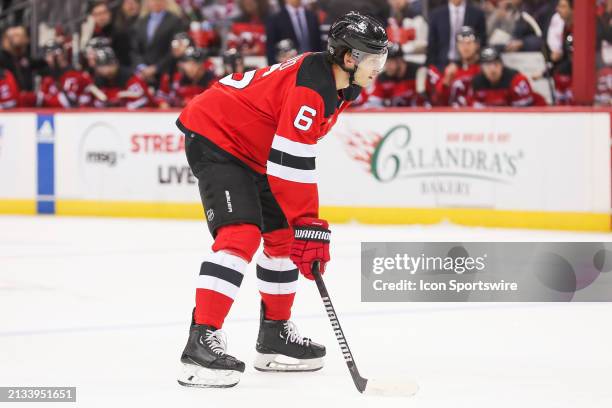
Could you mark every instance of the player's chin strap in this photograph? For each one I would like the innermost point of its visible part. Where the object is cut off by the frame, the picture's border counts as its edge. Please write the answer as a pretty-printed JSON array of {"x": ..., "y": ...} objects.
[{"x": 351, "y": 72}]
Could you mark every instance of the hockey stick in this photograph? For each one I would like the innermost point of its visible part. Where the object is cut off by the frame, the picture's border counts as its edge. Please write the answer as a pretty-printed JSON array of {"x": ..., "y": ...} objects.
[
  {"x": 388, "y": 388},
  {"x": 547, "y": 61}
]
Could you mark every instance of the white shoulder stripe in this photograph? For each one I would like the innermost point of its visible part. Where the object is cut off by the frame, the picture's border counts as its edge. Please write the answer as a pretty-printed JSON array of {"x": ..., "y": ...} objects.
[
  {"x": 291, "y": 174},
  {"x": 293, "y": 148}
]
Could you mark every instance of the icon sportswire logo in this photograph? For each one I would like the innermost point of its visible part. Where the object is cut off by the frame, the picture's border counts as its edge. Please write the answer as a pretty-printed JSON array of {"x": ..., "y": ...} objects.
[{"x": 396, "y": 154}]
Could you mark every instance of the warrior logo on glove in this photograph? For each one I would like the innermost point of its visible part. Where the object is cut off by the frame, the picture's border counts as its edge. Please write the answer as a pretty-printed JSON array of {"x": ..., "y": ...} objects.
[{"x": 310, "y": 244}]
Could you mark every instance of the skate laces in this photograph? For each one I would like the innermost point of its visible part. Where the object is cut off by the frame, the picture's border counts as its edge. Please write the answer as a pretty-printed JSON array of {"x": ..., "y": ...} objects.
[
  {"x": 217, "y": 341},
  {"x": 293, "y": 335}
]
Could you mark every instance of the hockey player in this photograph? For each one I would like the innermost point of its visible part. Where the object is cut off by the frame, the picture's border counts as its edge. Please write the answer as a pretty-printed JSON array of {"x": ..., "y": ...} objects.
[
  {"x": 233, "y": 63},
  {"x": 9, "y": 90},
  {"x": 398, "y": 84},
  {"x": 194, "y": 76},
  {"x": 285, "y": 50},
  {"x": 61, "y": 85},
  {"x": 452, "y": 89},
  {"x": 251, "y": 142},
  {"x": 498, "y": 85},
  {"x": 116, "y": 86}
]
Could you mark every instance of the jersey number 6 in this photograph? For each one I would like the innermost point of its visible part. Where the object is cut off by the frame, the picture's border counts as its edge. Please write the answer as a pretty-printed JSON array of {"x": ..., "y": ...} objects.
[{"x": 302, "y": 121}]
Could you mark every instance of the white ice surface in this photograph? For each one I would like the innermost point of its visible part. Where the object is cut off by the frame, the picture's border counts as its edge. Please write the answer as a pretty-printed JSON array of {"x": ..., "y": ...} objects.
[{"x": 104, "y": 305}]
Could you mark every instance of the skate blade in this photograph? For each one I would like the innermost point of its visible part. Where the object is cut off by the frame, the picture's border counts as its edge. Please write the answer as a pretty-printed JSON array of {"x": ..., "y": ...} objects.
[
  {"x": 280, "y": 363},
  {"x": 197, "y": 376}
]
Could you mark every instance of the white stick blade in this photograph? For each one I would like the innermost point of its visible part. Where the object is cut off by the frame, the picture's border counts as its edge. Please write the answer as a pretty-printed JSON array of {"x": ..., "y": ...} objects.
[{"x": 391, "y": 388}]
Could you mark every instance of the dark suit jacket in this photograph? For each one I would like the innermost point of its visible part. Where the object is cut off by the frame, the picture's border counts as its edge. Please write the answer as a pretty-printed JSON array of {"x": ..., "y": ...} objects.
[
  {"x": 157, "y": 52},
  {"x": 279, "y": 27},
  {"x": 439, "y": 32}
]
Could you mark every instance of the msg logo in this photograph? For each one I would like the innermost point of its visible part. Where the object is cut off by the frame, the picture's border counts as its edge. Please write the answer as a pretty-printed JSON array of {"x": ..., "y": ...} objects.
[{"x": 108, "y": 158}]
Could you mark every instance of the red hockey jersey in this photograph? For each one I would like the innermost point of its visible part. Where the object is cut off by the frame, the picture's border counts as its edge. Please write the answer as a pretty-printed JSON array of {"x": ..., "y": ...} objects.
[
  {"x": 125, "y": 90},
  {"x": 402, "y": 91},
  {"x": 513, "y": 89},
  {"x": 271, "y": 119},
  {"x": 9, "y": 90},
  {"x": 69, "y": 90},
  {"x": 179, "y": 90},
  {"x": 455, "y": 93}
]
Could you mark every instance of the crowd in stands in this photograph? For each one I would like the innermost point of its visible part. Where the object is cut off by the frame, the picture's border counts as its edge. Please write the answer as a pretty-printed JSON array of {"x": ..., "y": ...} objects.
[{"x": 162, "y": 53}]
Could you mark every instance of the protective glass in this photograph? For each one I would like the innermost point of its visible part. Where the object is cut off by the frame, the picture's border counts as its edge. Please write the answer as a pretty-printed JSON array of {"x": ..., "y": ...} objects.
[{"x": 370, "y": 62}]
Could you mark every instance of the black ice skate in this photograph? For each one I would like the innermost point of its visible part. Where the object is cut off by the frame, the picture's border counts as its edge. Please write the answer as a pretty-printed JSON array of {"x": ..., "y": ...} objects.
[
  {"x": 280, "y": 348},
  {"x": 204, "y": 361}
]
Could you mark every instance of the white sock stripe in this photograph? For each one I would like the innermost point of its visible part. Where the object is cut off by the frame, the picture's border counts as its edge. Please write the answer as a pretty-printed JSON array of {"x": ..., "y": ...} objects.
[
  {"x": 293, "y": 148},
  {"x": 217, "y": 285},
  {"x": 228, "y": 260},
  {"x": 291, "y": 174},
  {"x": 275, "y": 264},
  {"x": 277, "y": 288}
]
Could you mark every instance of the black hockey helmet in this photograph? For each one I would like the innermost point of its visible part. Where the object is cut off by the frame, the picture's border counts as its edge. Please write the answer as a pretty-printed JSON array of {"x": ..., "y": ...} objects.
[
  {"x": 355, "y": 31},
  {"x": 183, "y": 39},
  {"x": 283, "y": 47},
  {"x": 97, "y": 43},
  {"x": 231, "y": 57},
  {"x": 193, "y": 54},
  {"x": 489, "y": 54},
  {"x": 52, "y": 47},
  {"x": 361, "y": 35},
  {"x": 105, "y": 56},
  {"x": 467, "y": 33}
]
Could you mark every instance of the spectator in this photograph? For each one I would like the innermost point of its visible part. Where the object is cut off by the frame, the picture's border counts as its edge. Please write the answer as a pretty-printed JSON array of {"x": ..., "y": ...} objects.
[
  {"x": 124, "y": 21},
  {"x": 194, "y": 76},
  {"x": 560, "y": 44},
  {"x": 498, "y": 17},
  {"x": 398, "y": 84},
  {"x": 296, "y": 23},
  {"x": 406, "y": 27},
  {"x": 604, "y": 32},
  {"x": 444, "y": 25},
  {"x": 9, "y": 90},
  {"x": 603, "y": 96},
  {"x": 498, "y": 85},
  {"x": 516, "y": 33},
  {"x": 337, "y": 8},
  {"x": 248, "y": 32},
  {"x": 253, "y": 11},
  {"x": 61, "y": 85},
  {"x": 117, "y": 86},
  {"x": 153, "y": 35},
  {"x": 452, "y": 89},
  {"x": 558, "y": 30},
  {"x": 285, "y": 50},
  {"x": 15, "y": 57},
  {"x": 99, "y": 24}
]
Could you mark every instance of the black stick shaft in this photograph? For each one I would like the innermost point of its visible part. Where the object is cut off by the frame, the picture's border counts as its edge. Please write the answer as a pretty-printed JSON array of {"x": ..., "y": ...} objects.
[{"x": 359, "y": 381}]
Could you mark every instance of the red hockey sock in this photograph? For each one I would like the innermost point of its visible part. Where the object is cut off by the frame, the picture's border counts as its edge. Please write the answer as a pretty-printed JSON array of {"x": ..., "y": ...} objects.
[
  {"x": 222, "y": 272},
  {"x": 218, "y": 283},
  {"x": 277, "y": 282}
]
